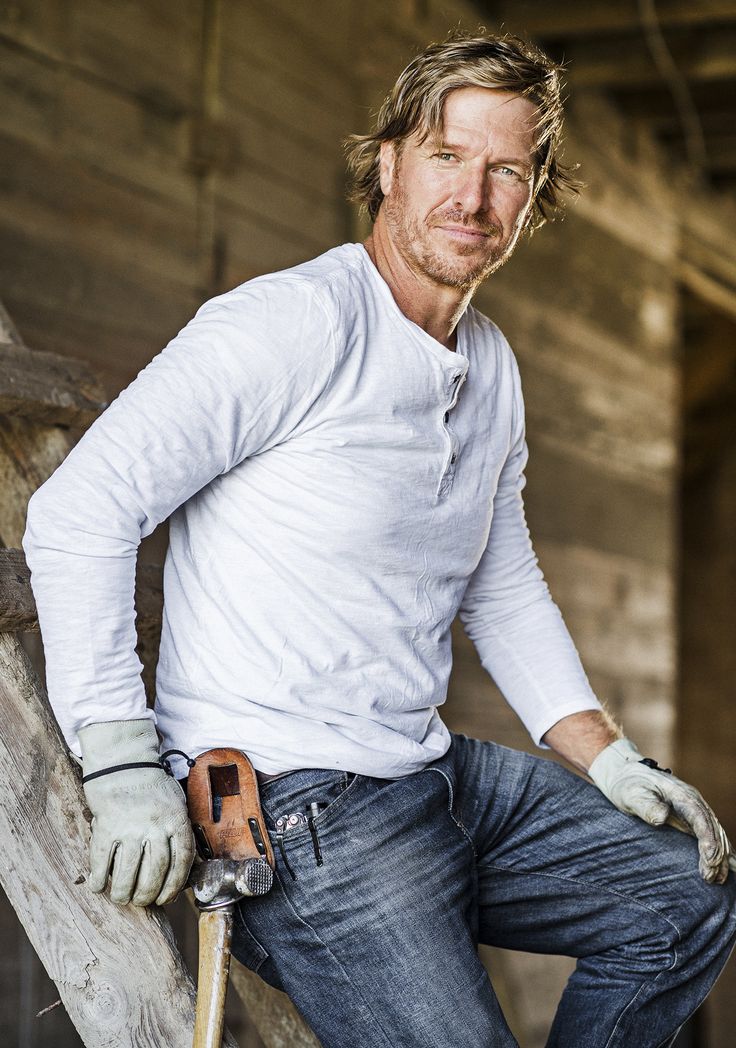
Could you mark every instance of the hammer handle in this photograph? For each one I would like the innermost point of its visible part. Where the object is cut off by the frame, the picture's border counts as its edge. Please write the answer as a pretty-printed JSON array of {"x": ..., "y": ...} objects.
[{"x": 215, "y": 934}]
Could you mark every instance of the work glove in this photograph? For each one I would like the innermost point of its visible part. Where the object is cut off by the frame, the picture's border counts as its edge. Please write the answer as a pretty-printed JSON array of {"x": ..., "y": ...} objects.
[
  {"x": 141, "y": 834},
  {"x": 636, "y": 785}
]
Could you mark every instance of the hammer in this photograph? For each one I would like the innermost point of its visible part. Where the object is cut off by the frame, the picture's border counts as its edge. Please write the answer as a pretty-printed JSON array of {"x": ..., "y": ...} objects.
[{"x": 237, "y": 861}]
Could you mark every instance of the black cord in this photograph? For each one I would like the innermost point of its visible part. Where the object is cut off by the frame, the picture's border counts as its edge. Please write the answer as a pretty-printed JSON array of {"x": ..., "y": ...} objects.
[{"x": 120, "y": 767}]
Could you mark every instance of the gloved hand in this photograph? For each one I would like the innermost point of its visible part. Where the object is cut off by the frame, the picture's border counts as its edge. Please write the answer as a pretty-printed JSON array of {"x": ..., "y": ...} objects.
[
  {"x": 140, "y": 827},
  {"x": 657, "y": 797}
]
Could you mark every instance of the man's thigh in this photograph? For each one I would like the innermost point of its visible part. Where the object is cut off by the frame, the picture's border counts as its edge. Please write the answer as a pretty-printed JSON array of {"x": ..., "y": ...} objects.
[
  {"x": 561, "y": 870},
  {"x": 376, "y": 945}
]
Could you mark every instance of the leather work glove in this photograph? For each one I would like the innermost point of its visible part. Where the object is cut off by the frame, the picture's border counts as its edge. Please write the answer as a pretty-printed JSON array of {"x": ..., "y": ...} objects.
[
  {"x": 657, "y": 796},
  {"x": 141, "y": 833}
]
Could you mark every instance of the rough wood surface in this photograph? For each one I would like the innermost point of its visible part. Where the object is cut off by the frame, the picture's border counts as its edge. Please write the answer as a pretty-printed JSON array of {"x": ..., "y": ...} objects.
[
  {"x": 274, "y": 1016},
  {"x": 8, "y": 331},
  {"x": 17, "y": 606},
  {"x": 85, "y": 943},
  {"x": 47, "y": 387}
]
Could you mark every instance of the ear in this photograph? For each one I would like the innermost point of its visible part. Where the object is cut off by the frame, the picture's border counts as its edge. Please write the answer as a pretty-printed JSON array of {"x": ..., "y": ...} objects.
[{"x": 387, "y": 166}]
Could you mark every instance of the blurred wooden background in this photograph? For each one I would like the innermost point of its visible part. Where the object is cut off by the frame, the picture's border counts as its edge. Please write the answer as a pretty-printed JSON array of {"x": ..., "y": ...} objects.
[{"x": 152, "y": 155}]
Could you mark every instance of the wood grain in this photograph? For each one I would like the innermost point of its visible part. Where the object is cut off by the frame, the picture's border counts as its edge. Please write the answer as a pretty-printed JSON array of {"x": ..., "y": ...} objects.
[
  {"x": 80, "y": 937},
  {"x": 47, "y": 387}
]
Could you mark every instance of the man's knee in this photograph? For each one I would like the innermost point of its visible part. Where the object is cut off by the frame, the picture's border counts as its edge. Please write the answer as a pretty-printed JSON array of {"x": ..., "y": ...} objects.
[{"x": 706, "y": 921}]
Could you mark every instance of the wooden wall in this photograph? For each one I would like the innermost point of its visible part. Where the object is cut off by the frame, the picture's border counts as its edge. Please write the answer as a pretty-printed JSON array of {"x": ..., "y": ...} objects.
[{"x": 154, "y": 154}]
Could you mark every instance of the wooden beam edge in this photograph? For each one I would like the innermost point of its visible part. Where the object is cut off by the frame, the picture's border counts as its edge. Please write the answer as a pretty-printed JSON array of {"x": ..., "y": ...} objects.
[{"x": 47, "y": 387}]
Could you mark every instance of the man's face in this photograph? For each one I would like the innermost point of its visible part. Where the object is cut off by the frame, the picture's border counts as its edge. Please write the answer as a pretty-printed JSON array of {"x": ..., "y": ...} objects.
[{"x": 454, "y": 209}]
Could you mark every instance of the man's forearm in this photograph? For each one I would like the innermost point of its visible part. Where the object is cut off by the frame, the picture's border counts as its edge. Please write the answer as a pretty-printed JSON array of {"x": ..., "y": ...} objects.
[{"x": 580, "y": 737}]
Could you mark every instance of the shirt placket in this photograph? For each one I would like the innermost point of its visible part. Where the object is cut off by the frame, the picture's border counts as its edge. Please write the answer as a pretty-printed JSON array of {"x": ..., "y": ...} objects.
[{"x": 451, "y": 393}]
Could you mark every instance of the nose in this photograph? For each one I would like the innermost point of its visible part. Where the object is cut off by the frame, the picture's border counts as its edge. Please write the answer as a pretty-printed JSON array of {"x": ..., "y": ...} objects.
[{"x": 472, "y": 190}]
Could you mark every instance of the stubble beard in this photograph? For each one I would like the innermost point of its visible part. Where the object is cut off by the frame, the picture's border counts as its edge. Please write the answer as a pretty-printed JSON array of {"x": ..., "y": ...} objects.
[{"x": 457, "y": 272}]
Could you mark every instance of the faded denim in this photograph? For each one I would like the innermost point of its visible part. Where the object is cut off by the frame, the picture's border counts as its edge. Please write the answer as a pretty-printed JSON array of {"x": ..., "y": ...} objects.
[{"x": 377, "y": 946}]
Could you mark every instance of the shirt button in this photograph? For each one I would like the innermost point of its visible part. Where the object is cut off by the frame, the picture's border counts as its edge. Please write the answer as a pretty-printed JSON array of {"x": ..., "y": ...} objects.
[
  {"x": 447, "y": 416},
  {"x": 454, "y": 457}
]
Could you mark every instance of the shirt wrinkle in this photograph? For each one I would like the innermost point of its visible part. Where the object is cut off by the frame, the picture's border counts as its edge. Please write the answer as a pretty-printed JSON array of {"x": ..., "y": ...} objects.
[{"x": 326, "y": 527}]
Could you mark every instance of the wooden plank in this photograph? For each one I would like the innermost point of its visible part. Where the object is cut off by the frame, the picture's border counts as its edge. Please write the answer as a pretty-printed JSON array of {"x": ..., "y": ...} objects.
[
  {"x": 17, "y": 607},
  {"x": 588, "y": 274},
  {"x": 597, "y": 62},
  {"x": 79, "y": 936},
  {"x": 9, "y": 334},
  {"x": 291, "y": 154},
  {"x": 39, "y": 25},
  {"x": 294, "y": 49},
  {"x": 570, "y": 500},
  {"x": 720, "y": 296},
  {"x": 548, "y": 18},
  {"x": 255, "y": 246},
  {"x": 619, "y": 610},
  {"x": 47, "y": 387},
  {"x": 29, "y": 453},
  {"x": 292, "y": 217},
  {"x": 144, "y": 47},
  {"x": 126, "y": 136},
  {"x": 90, "y": 296},
  {"x": 295, "y": 96},
  {"x": 147, "y": 47},
  {"x": 115, "y": 354},
  {"x": 95, "y": 213}
]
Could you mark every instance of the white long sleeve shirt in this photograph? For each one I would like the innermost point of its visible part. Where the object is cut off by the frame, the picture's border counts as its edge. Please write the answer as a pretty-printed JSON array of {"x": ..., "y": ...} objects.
[{"x": 340, "y": 485}]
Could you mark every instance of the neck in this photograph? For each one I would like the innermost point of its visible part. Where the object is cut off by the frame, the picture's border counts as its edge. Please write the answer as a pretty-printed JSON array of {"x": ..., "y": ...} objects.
[{"x": 434, "y": 307}]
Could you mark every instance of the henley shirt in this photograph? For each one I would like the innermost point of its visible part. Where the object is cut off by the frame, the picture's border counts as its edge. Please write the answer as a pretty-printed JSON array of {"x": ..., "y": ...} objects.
[{"x": 340, "y": 486}]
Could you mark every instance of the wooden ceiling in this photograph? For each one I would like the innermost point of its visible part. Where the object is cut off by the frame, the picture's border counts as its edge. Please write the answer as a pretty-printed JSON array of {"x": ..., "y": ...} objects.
[{"x": 668, "y": 63}]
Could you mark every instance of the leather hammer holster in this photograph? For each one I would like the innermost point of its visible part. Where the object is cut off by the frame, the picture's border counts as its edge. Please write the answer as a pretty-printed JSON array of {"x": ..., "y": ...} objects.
[{"x": 225, "y": 808}]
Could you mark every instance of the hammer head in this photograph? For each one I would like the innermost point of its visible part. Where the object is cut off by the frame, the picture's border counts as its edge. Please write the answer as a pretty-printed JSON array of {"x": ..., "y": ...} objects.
[{"x": 221, "y": 882}]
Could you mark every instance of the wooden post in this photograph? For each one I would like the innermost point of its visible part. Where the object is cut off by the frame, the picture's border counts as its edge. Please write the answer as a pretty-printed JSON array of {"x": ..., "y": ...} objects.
[{"x": 118, "y": 970}]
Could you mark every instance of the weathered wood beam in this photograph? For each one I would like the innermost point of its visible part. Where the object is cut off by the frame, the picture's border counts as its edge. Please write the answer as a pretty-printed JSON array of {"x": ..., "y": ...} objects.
[
  {"x": 118, "y": 970},
  {"x": 46, "y": 387},
  {"x": 85, "y": 942},
  {"x": 273, "y": 1014},
  {"x": 8, "y": 330},
  {"x": 17, "y": 607},
  {"x": 720, "y": 149},
  {"x": 622, "y": 61},
  {"x": 549, "y": 18}
]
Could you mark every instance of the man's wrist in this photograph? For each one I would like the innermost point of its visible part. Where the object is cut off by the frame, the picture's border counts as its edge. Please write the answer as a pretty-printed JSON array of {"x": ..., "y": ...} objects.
[
  {"x": 582, "y": 737},
  {"x": 105, "y": 743}
]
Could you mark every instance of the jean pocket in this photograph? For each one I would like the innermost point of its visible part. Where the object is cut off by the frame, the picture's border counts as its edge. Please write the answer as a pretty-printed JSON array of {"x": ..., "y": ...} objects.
[{"x": 293, "y": 793}]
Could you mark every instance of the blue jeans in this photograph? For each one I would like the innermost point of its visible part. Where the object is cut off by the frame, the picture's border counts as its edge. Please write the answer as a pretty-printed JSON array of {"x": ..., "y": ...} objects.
[{"x": 377, "y": 945}]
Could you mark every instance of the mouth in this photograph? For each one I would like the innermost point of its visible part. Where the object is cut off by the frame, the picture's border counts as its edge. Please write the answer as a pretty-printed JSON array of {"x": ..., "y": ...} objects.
[{"x": 465, "y": 234}]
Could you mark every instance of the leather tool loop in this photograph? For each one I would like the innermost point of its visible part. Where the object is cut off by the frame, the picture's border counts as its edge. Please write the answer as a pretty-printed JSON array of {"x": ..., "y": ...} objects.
[{"x": 225, "y": 808}]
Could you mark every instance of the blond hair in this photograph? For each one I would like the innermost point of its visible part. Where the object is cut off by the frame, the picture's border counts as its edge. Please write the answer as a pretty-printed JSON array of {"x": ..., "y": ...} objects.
[{"x": 417, "y": 100}]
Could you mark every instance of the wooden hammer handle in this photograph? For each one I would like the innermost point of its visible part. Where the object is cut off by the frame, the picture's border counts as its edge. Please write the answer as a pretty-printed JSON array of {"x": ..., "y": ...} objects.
[{"x": 215, "y": 934}]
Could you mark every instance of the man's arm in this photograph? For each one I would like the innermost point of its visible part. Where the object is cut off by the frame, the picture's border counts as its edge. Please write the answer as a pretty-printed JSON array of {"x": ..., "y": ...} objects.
[
  {"x": 582, "y": 736},
  {"x": 238, "y": 378},
  {"x": 592, "y": 742},
  {"x": 523, "y": 643}
]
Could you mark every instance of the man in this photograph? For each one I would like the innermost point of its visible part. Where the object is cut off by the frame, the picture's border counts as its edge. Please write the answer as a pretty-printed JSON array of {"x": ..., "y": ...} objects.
[{"x": 341, "y": 448}]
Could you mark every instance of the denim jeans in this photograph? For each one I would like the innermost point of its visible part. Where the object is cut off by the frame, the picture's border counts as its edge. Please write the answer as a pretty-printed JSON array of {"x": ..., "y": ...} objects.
[{"x": 377, "y": 945}]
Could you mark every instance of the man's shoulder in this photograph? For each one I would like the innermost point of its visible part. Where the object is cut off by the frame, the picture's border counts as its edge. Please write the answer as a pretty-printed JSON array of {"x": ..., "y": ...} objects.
[{"x": 324, "y": 280}]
